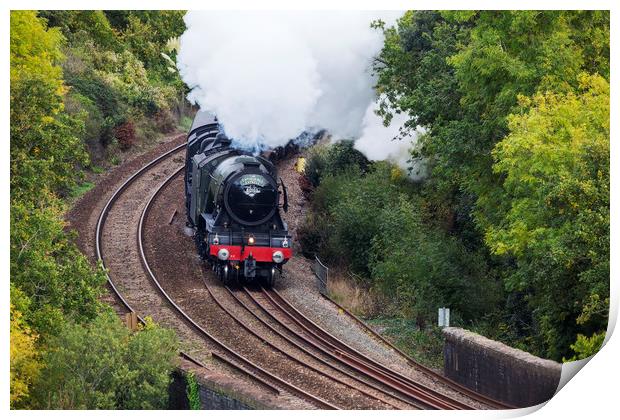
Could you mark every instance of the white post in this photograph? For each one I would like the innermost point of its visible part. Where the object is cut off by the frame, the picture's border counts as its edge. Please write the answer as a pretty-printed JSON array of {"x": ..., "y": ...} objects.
[{"x": 443, "y": 318}]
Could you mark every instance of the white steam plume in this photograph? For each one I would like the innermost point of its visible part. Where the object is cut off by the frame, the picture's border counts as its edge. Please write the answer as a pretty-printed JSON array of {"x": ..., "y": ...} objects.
[
  {"x": 385, "y": 143},
  {"x": 269, "y": 76}
]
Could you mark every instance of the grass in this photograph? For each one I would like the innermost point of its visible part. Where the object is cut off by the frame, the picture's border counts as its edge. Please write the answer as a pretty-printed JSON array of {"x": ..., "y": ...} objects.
[
  {"x": 343, "y": 290},
  {"x": 185, "y": 123},
  {"x": 81, "y": 189},
  {"x": 424, "y": 346}
]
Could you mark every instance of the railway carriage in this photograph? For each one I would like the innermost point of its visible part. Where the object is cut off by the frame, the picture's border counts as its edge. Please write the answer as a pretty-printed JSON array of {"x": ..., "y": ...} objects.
[{"x": 233, "y": 202}]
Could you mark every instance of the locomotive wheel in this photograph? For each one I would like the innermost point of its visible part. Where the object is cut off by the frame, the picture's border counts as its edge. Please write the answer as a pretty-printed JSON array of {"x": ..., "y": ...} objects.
[
  {"x": 228, "y": 276},
  {"x": 223, "y": 274},
  {"x": 272, "y": 278}
]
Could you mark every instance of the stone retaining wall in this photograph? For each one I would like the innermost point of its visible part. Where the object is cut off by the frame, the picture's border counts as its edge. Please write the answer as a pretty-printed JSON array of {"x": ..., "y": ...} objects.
[
  {"x": 497, "y": 370},
  {"x": 217, "y": 391}
]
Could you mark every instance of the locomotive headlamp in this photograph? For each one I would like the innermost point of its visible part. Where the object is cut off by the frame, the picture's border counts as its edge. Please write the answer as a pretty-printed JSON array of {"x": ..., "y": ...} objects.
[
  {"x": 251, "y": 240},
  {"x": 285, "y": 243},
  {"x": 223, "y": 254},
  {"x": 278, "y": 257},
  {"x": 216, "y": 240}
]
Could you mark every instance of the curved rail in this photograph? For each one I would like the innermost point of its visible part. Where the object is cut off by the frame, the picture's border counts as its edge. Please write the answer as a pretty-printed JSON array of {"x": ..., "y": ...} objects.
[
  {"x": 104, "y": 215},
  {"x": 321, "y": 349},
  {"x": 98, "y": 233},
  {"x": 398, "y": 391},
  {"x": 457, "y": 386},
  {"x": 287, "y": 385},
  {"x": 387, "y": 376},
  {"x": 290, "y": 356},
  {"x": 411, "y": 394}
]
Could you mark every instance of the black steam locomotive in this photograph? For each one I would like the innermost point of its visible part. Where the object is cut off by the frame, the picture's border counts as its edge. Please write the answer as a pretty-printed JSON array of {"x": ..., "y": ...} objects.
[{"x": 232, "y": 202}]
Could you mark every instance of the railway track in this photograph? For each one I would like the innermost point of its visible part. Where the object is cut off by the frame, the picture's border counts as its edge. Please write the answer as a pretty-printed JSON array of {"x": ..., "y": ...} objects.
[
  {"x": 460, "y": 388},
  {"x": 295, "y": 323},
  {"x": 154, "y": 170},
  {"x": 290, "y": 334}
]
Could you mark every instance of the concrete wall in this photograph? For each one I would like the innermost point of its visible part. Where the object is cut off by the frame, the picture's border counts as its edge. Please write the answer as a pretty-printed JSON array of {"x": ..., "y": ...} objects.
[{"x": 498, "y": 371}]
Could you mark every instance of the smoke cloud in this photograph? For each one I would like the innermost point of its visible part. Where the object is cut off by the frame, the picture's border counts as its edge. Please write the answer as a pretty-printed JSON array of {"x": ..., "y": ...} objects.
[
  {"x": 269, "y": 76},
  {"x": 385, "y": 143}
]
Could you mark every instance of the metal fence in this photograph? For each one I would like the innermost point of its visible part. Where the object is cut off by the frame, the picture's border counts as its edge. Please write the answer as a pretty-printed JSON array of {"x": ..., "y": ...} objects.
[{"x": 322, "y": 275}]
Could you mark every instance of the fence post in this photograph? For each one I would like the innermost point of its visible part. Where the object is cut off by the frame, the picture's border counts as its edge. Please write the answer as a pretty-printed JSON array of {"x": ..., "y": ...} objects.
[
  {"x": 322, "y": 275},
  {"x": 131, "y": 319}
]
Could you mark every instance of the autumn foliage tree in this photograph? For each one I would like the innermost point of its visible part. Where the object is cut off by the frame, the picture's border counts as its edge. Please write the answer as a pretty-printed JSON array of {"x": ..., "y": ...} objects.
[
  {"x": 25, "y": 364},
  {"x": 54, "y": 289}
]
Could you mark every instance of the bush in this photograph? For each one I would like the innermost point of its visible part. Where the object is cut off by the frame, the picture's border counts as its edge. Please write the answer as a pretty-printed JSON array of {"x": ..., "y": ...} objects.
[
  {"x": 95, "y": 88},
  {"x": 164, "y": 121},
  {"x": 354, "y": 204},
  {"x": 315, "y": 164},
  {"x": 324, "y": 161},
  {"x": 82, "y": 107},
  {"x": 423, "y": 269},
  {"x": 374, "y": 221},
  {"x": 311, "y": 235},
  {"x": 193, "y": 392},
  {"x": 103, "y": 365},
  {"x": 126, "y": 135},
  {"x": 306, "y": 186}
]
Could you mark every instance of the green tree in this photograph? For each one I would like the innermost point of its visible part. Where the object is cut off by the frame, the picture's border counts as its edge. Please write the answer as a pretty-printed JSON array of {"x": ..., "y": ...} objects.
[
  {"x": 460, "y": 75},
  {"x": 422, "y": 269},
  {"x": 146, "y": 33},
  {"x": 45, "y": 151},
  {"x": 81, "y": 25},
  {"x": 54, "y": 289},
  {"x": 555, "y": 164},
  {"x": 102, "y": 365},
  {"x": 47, "y": 267}
]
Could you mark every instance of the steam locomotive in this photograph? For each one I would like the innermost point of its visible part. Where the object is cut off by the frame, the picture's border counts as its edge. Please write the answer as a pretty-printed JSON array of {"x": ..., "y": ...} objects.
[{"x": 233, "y": 203}]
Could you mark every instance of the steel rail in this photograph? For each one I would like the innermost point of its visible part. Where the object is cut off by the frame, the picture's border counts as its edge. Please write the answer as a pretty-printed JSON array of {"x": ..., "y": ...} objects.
[
  {"x": 429, "y": 396},
  {"x": 322, "y": 349},
  {"x": 240, "y": 368},
  {"x": 353, "y": 353},
  {"x": 99, "y": 231},
  {"x": 457, "y": 386},
  {"x": 290, "y": 356},
  {"x": 292, "y": 388},
  {"x": 104, "y": 215},
  {"x": 414, "y": 394}
]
